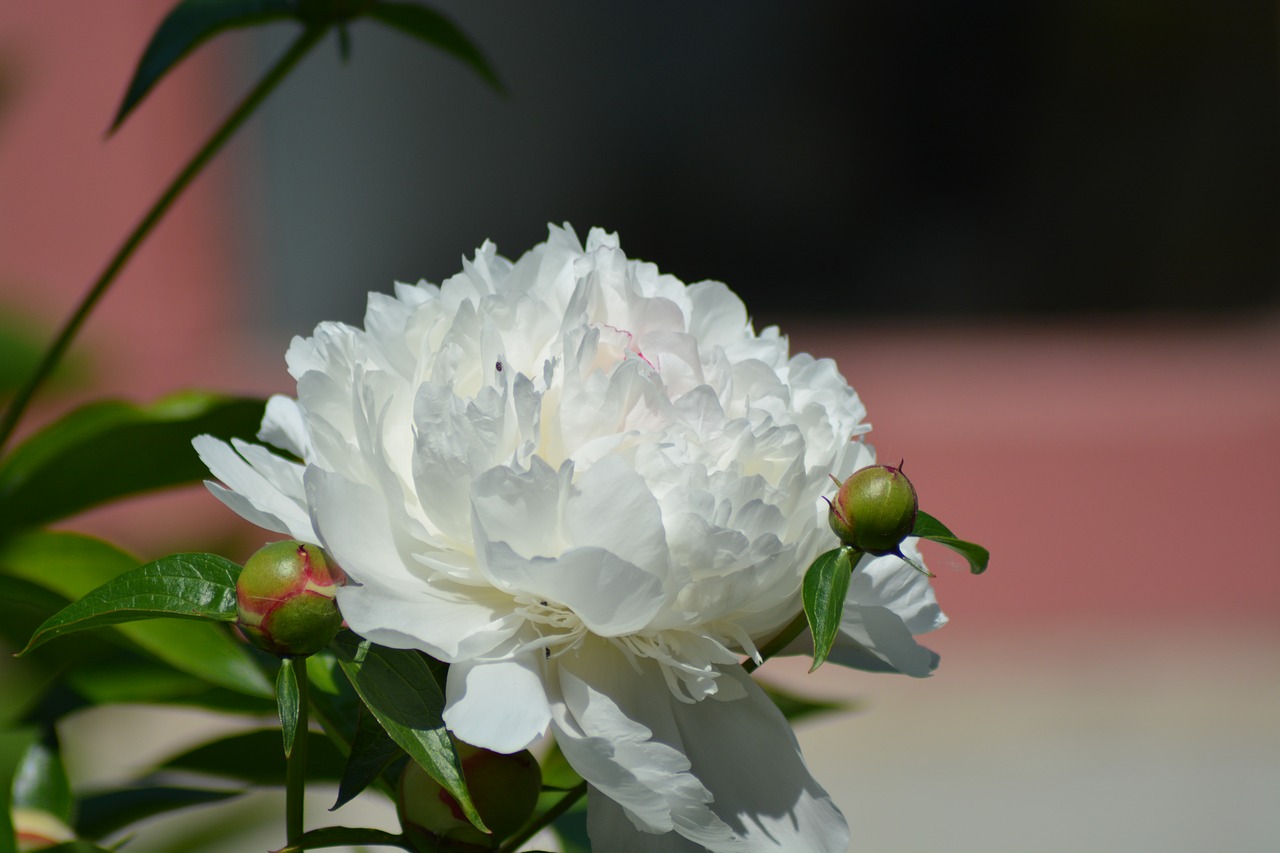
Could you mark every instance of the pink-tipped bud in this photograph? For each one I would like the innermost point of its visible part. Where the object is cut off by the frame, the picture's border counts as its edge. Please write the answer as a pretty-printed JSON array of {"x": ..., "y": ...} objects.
[
  {"x": 875, "y": 509},
  {"x": 285, "y": 597},
  {"x": 504, "y": 789}
]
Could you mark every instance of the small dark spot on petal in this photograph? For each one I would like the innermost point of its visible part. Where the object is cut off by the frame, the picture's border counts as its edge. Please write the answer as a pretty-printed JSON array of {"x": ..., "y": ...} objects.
[{"x": 497, "y": 365}]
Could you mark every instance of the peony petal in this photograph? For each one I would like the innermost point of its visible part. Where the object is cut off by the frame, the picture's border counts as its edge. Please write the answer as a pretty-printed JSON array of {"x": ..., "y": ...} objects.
[
  {"x": 498, "y": 705},
  {"x": 891, "y": 583},
  {"x": 270, "y": 497},
  {"x": 284, "y": 427},
  {"x": 727, "y": 775},
  {"x": 449, "y": 627},
  {"x": 611, "y": 596},
  {"x": 612, "y": 508},
  {"x": 881, "y": 632}
]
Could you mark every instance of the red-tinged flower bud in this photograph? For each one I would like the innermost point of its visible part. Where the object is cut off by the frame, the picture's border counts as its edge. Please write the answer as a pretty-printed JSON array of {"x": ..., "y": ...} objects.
[
  {"x": 285, "y": 598},
  {"x": 38, "y": 830},
  {"x": 504, "y": 789},
  {"x": 875, "y": 509}
]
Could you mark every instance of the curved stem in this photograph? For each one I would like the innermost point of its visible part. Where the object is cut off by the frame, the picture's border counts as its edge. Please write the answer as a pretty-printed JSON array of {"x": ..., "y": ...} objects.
[
  {"x": 544, "y": 820},
  {"x": 296, "y": 766},
  {"x": 309, "y": 37}
]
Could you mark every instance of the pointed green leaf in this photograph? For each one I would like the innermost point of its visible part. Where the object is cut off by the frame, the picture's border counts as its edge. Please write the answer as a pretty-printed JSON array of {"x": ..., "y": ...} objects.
[
  {"x": 76, "y": 847},
  {"x": 287, "y": 697},
  {"x": 72, "y": 565},
  {"x": 189, "y": 24},
  {"x": 928, "y": 527},
  {"x": 190, "y": 586},
  {"x": 40, "y": 783},
  {"x": 253, "y": 758},
  {"x": 399, "y": 689},
  {"x": 112, "y": 449},
  {"x": 102, "y": 814},
  {"x": 435, "y": 29},
  {"x": 825, "y": 585},
  {"x": 344, "y": 836},
  {"x": 371, "y": 753}
]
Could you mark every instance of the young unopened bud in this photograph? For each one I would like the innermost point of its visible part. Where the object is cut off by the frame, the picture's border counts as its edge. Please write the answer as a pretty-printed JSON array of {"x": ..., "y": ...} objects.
[
  {"x": 875, "y": 509},
  {"x": 504, "y": 789},
  {"x": 285, "y": 598}
]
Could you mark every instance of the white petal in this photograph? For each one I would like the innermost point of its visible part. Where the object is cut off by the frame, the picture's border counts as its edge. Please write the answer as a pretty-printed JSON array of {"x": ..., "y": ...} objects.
[
  {"x": 449, "y": 627},
  {"x": 355, "y": 528},
  {"x": 284, "y": 427},
  {"x": 498, "y": 705},
  {"x": 611, "y": 596},
  {"x": 726, "y": 775},
  {"x": 891, "y": 583},
  {"x": 611, "y": 507},
  {"x": 275, "y": 504},
  {"x": 881, "y": 632}
]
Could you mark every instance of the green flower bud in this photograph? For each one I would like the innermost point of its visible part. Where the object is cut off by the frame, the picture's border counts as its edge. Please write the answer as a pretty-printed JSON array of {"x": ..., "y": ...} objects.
[
  {"x": 504, "y": 789},
  {"x": 285, "y": 598},
  {"x": 875, "y": 509}
]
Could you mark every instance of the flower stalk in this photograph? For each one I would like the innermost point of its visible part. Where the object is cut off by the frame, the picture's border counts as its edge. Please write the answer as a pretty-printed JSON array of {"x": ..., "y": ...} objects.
[
  {"x": 296, "y": 760},
  {"x": 300, "y": 47}
]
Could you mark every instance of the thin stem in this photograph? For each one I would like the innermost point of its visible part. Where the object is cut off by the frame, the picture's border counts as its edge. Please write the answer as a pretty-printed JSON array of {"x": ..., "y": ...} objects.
[
  {"x": 543, "y": 820},
  {"x": 309, "y": 37},
  {"x": 296, "y": 765},
  {"x": 779, "y": 642}
]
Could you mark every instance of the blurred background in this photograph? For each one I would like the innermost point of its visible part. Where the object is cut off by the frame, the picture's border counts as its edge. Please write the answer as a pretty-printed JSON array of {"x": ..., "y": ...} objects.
[{"x": 1039, "y": 239}]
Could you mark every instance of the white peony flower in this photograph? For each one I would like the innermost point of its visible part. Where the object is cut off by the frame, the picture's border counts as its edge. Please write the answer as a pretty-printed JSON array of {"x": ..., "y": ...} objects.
[{"x": 591, "y": 489}]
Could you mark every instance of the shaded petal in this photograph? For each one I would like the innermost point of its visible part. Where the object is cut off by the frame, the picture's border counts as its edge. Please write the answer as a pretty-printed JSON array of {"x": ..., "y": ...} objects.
[
  {"x": 498, "y": 705},
  {"x": 881, "y": 633},
  {"x": 449, "y": 627},
  {"x": 611, "y": 596},
  {"x": 890, "y": 583},
  {"x": 283, "y": 426},
  {"x": 726, "y": 775}
]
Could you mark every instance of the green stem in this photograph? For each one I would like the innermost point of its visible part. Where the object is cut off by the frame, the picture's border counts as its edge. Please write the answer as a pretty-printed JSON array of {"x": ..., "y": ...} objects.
[
  {"x": 296, "y": 766},
  {"x": 309, "y": 37},
  {"x": 779, "y": 642},
  {"x": 543, "y": 820}
]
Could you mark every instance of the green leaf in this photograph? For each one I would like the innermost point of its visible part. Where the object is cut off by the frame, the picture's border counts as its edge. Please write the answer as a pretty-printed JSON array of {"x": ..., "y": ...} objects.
[
  {"x": 111, "y": 449},
  {"x": 928, "y": 527},
  {"x": 795, "y": 707},
  {"x": 372, "y": 752},
  {"x": 825, "y": 585},
  {"x": 188, "y": 586},
  {"x": 40, "y": 783},
  {"x": 342, "y": 836},
  {"x": 399, "y": 689},
  {"x": 133, "y": 678},
  {"x": 13, "y": 746},
  {"x": 76, "y": 847},
  {"x": 435, "y": 29},
  {"x": 189, "y": 24},
  {"x": 287, "y": 698},
  {"x": 245, "y": 758},
  {"x": 72, "y": 565},
  {"x": 108, "y": 812}
]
